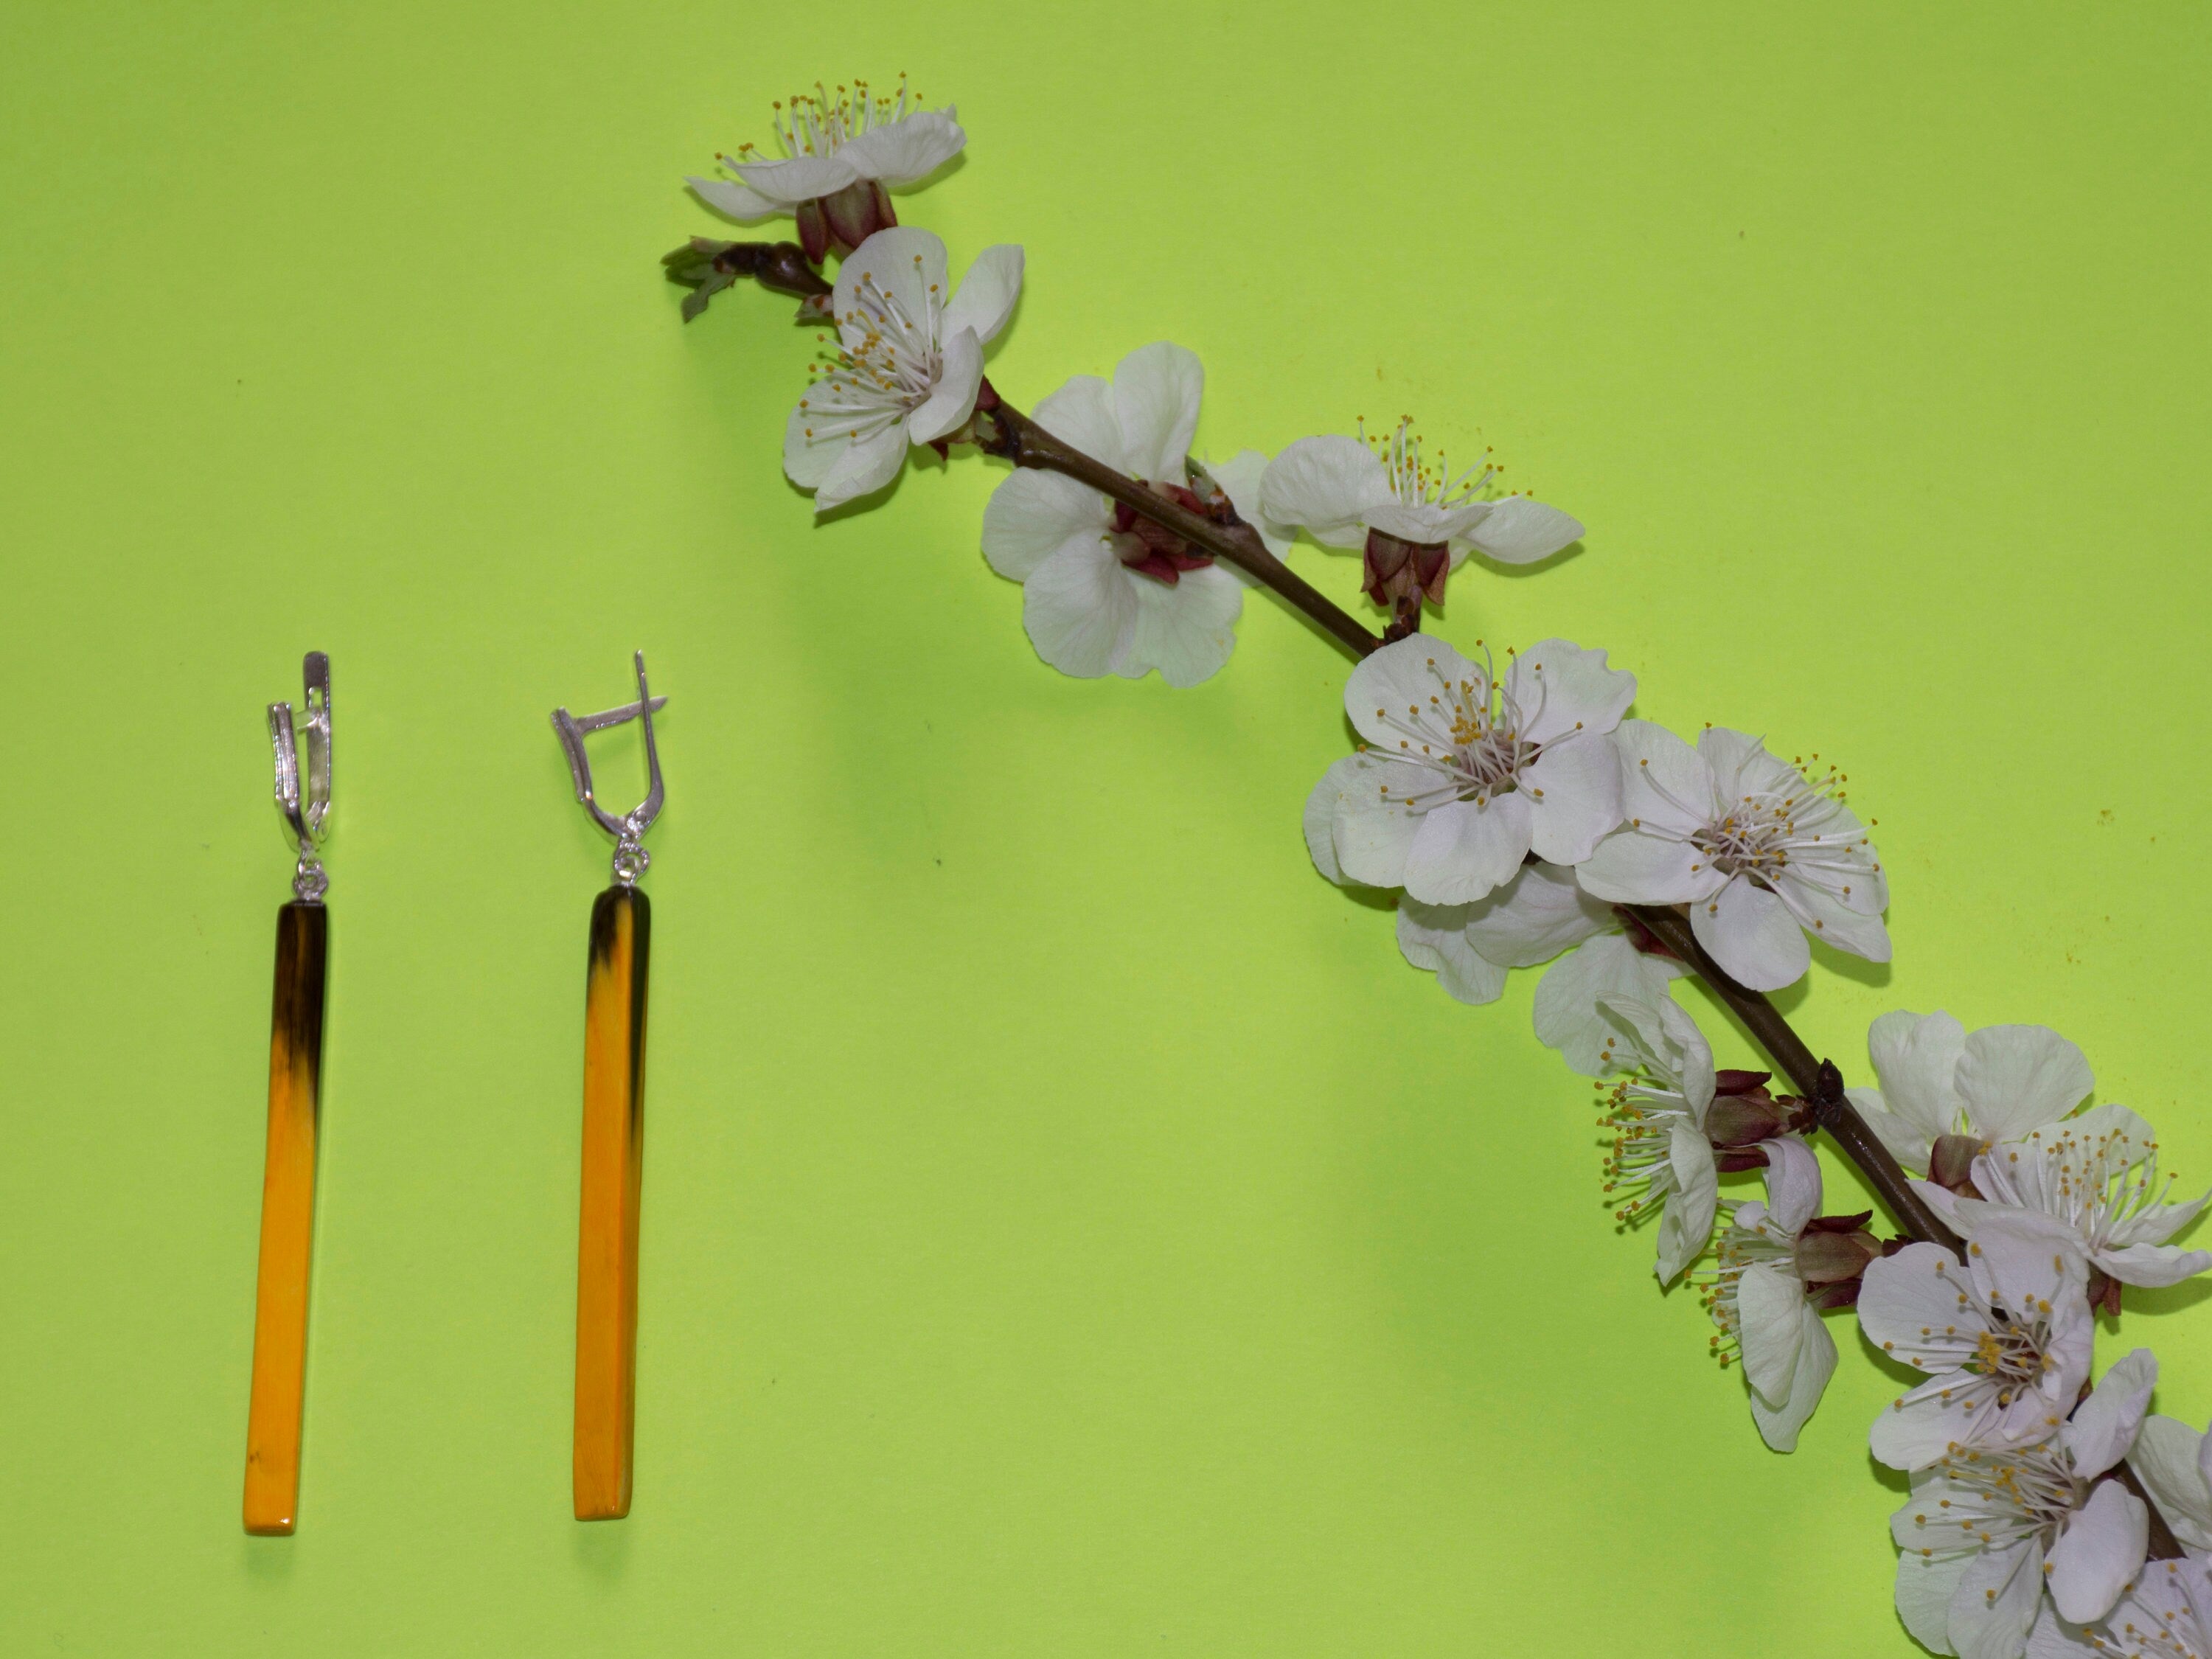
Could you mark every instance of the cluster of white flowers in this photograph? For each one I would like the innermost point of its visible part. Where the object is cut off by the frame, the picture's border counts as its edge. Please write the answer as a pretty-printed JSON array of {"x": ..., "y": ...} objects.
[{"x": 1518, "y": 816}]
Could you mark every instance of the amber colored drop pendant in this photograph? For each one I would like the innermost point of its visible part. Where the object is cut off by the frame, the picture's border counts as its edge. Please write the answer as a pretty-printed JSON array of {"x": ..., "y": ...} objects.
[
  {"x": 614, "y": 1129},
  {"x": 276, "y": 1410}
]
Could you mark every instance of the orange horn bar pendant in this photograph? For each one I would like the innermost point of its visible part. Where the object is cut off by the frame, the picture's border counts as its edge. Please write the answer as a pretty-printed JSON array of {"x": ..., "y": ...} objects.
[
  {"x": 606, "y": 1255},
  {"x": 288, "y": 1221}
]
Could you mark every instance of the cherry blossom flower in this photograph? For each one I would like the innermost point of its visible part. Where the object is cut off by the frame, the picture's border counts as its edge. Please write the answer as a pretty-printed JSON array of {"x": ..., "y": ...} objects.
[
  {"x": 1988, "y": 1530},
  {"x": 1105, "y": 590},
  {"x": 1463, "y": 773},
  {"x": 1938, "y": 1085},
  {"x": 2165, "y": 1613},
  {"x": 1778, "y": 1268},
  {"x": 2002, "y": 1338},
  {"x": 910, "y": 366},
  {"x": 841, "y": 153},
  {"x": 1656, "y": 1115},
  {"x": 1414, "y": 522},
  {"x": 2098, "y": 1173},
  {"x": 1761, "y": 854}
]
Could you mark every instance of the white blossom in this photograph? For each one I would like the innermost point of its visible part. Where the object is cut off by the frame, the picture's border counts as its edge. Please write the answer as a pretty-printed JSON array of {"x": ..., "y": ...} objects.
[
  {"x": 2002, "y": 1341},
  {"x": 839, "y": 154},
  {"x": 2098, "y": 1173},
  {"x": 1761, "y": 854},
  {"x": 1104, "y": 589},
  {"x": 1660, "y": 1156},
  {"x": 2000, "y": 1083},
  {"x": 910, "y": 365},
  {"x": 1464, "y": 773},
  {"x": 1415, "y": 521},
  {"x": 1760, "y": 1300},
  {"x": 1988, "y": 1530},
  {"x": 1569, "y": 1012}
]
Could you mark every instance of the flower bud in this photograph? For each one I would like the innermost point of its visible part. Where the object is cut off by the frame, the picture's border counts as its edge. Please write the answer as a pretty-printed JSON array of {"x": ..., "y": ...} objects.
[
  {"x": 1951, "y": 1162},
  {"x": 1742, "y": 1112},
  {"x": 1397, "y": 570}
]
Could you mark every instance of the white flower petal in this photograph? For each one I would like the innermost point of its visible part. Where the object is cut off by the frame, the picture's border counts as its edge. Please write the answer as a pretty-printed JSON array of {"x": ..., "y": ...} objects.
[
  {"x": 1423, "y": 522},
  {"x": 2018, "y": 1078},
  {"x": 1031, "y": 514},
  {"x": 1769, "y": 1299},
  {"x": 903, "y": 151},
  {"x": 1793, "y": 1183},
  {"x": 1996, "y": 1600},
  {"x": 2054, "y": 1638},
  {"x": 1434, "y": 937},
  {"x": 1665, "y": 785},
  {"x": 1078, "y": 609},
  {"x": 1187, "y": 631},
  {"x": 1834, "y": 922},
  {"x": 806, "y": 461},
  {"x": 1463, "y": 849},
  {"x": 735, "y": 201},
  {"x": 1373, "y": 831},
  {"x": 1752, "y": 936},
  {"x": 1916, "y": 1059},
  {"x": 1562, "y": 690},
  {"x": 1687, "y": 1225},
  {"x": 1568, "y": 1014},
  {"x": 1534, "y": 917},
  {"x": 2101, "y": 1549},
  {"x": 1156, "y": 390},
  {"x": 2103, "y": 1427},
  {"x": 862, "y": 465},
  {"x": 1348, "y": 777},
  {"x": 2165, "y": 1459},
  {"x": 1780, "y": 1423},
  {"x": 954, "y": 398},
  {"x": 1519, "y": 531},
  {"x": 1325, "y": 485},
  {"x": 2153, "y": 1267},
  {"x": 1633, "y": 866},
  {"x": 1925, "y": 1587},
  {"x": 987, "y": 294},
  {"x": 800, "y": 178},
  {"x": 1081, "y": 413},
  {"x": 1574, "y": 799}
]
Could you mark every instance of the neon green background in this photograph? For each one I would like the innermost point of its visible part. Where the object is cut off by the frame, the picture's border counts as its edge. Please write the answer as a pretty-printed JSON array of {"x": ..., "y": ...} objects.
[{"x": 1069, "y": 1228}]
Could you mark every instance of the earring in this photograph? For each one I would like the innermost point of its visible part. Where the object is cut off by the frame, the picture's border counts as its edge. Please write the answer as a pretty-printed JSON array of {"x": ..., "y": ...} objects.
[
  {"x": 614, "y": 1127},
  {"x": 295, "y": 1063}
]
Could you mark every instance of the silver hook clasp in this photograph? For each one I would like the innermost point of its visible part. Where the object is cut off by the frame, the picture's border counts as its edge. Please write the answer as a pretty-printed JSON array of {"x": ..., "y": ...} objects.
[
  {"x": 628, "y": 830},
  {"x": 307, "y": 825}
]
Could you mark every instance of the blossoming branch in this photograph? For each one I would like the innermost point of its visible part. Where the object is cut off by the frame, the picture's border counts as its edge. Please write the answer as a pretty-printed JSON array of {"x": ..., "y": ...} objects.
[{"x": 1521, "y": 819}]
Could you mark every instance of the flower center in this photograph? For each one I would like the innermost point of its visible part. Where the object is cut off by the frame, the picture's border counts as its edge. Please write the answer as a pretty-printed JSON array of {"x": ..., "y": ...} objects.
[
  {"x": 1470, "y": 735},
  {"x": 2099, "y": 1186},
  {"x": 891, "y": 370},
  {"x": 1416, "y": 483},
  {"x": 821, "y": 123},
  {"x": 1739, "y": 1247},
  {"x": 1152, "y": 550},
  {"x": 2001, "y": 1499},
  {"x": 1641, "y": 1119}
]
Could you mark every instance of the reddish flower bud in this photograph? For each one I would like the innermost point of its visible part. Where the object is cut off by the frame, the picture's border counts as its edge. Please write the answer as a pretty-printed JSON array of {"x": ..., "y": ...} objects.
[
  {"x": 813, "y": 231},
  {"x": 1951, "y": 1163},
  {"x": 1730, "y": 1081},
  {"x": 1395, "y": 570},
  {"x": 1742, "y": 1119}
]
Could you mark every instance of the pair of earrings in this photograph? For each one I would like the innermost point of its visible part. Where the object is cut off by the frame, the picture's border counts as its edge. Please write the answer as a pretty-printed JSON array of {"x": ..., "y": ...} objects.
[{"x": 614, "y": 1121}]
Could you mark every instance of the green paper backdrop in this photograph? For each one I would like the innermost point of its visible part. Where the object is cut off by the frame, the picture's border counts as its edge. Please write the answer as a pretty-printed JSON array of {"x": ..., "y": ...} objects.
[{"x": 1069, "y": 1227}]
